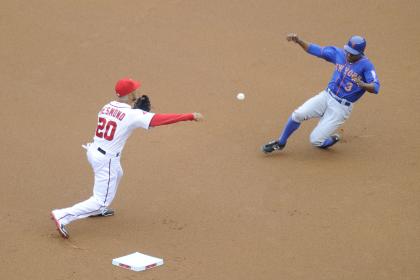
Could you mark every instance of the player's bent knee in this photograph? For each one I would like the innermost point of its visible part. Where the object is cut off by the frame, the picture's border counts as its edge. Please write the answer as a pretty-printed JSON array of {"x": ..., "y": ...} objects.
[
  {"x": 298, "y": 117},
  {"x": 99, "y": 201},
  {"x": 316, "y": 141}
]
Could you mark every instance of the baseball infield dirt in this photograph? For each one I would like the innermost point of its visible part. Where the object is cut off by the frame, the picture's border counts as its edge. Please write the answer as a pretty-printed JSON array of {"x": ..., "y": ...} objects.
[{"x": 202, "y": 196}]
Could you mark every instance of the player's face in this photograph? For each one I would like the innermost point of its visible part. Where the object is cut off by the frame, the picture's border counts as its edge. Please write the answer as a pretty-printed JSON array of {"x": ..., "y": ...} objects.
[
  {"x": 352, "y": 58},
  {"x": 133, "y": 96}
]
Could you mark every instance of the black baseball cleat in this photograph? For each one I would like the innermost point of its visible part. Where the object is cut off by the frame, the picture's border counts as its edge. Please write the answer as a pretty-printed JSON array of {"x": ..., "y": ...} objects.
[
  {"x": 335, "y": 138},
  {"x": 272, "y": 146},
  {"x": 105, "y": 213}
]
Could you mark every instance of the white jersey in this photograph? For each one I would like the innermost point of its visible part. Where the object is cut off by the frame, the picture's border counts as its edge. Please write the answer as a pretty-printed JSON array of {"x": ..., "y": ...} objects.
[{"x": 116, "y": 122}]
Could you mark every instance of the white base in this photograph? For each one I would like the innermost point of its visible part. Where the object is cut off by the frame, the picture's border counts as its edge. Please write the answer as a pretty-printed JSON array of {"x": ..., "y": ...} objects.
[{"x": 137, "y": 262}]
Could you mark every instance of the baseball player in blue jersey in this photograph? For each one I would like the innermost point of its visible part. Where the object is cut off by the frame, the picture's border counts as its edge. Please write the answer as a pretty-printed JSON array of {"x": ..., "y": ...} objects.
[{"x": 353, "y": 75}]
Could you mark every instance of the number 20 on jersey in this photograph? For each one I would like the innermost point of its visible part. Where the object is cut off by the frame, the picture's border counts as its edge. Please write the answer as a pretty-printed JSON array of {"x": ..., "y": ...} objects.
[{"x": 106, "y": 129}]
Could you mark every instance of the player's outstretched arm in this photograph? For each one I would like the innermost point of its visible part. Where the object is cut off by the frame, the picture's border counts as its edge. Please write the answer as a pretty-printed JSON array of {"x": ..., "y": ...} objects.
[
  {"x": 164, "y": 119},
  {"x": 293, "y": 37}
]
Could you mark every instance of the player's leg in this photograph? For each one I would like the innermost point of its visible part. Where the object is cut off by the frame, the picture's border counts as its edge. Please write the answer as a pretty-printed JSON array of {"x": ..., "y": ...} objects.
[
  {"x": 323, "y": 134},
  {"x": 63, "y": 217},
  {"x": 113, "y": 178},
  {"x": 114, "y": 183},
  {"x": 81, "y": 210},
  {"x": 105, "y": 192},
  {"x": 108, "y": 173},
  {"x": 312, "y": 108}
]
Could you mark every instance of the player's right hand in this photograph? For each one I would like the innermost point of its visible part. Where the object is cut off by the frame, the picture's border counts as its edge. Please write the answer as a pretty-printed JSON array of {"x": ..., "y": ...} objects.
[
  {"x": 198, "y": 116},
  {"x": 292, "y": 37}
]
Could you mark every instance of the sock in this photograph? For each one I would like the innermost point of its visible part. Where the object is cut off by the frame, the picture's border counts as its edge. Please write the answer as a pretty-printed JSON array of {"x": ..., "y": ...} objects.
[
  {"x": 290, "y": 127},
  {"x": 328, "y": 142}
]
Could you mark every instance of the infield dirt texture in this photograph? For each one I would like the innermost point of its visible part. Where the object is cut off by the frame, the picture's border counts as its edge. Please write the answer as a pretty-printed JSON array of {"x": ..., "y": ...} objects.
[{"x": 201, "y": 195}]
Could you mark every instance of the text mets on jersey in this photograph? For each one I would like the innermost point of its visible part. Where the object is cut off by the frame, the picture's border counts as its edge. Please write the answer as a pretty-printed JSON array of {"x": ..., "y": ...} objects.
[{"x": 113, "y": 113}]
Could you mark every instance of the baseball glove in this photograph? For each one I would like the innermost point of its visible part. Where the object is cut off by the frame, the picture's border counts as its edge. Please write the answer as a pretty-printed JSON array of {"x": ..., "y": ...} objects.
[{"x": 143, "y": 103}]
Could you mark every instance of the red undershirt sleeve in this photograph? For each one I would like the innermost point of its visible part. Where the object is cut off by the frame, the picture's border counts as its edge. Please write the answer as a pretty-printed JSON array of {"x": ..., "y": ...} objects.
[{"x": 163, "y": 119}]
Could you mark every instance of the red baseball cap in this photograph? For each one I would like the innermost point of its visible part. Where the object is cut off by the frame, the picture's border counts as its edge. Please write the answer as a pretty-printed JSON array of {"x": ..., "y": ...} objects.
[{"x": 126, "y": 86}]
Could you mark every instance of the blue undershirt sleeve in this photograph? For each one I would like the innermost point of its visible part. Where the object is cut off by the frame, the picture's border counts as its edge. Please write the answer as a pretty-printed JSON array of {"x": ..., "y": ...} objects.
[
  {"x": 327, "y": 53},
  {"x": 315, "y": 50}
]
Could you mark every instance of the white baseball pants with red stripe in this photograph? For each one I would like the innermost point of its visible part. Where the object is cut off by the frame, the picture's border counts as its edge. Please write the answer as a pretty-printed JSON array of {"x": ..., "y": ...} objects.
[{"x": 108, "y": 174}]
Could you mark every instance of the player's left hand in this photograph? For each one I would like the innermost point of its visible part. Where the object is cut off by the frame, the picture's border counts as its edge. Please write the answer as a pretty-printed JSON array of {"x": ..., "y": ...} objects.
[
  {"x": 292, "y": 37},
  {"x": 143, "y": 103}
]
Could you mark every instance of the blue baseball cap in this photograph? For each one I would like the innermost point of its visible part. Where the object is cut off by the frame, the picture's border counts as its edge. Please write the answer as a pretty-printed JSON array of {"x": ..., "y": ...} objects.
[{"x": 356, "y": 45}]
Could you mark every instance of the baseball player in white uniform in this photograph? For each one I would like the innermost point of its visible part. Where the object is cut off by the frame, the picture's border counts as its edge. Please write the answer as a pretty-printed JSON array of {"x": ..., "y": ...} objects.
[{"x": 116, "y": 121}]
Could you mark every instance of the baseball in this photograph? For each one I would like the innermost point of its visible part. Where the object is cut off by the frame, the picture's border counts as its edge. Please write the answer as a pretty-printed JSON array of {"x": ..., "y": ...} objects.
[{"x": 240, "y": 96}]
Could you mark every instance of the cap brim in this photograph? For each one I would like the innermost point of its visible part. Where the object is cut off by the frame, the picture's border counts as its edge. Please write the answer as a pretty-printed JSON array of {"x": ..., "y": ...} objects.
[
  {"x": 351, "y": 50},
  {"x": 136, "y": 84}
]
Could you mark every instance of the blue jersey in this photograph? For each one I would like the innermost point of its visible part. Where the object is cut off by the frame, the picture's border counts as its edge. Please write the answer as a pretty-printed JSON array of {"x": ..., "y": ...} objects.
[{"x": 342, "y": 82}]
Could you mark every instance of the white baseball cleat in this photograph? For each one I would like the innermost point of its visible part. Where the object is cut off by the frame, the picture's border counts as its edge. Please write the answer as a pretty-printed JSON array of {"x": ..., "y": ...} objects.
[{"x": 60, "y": 227}]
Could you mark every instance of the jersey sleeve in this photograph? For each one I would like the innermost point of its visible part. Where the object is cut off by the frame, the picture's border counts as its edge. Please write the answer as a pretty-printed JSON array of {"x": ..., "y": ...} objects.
[
  {"x": 142, "y": 118},
  {"x": 328, "y": 53},
  {"x": 164, "y": 119},
  {"x": 371, "y": 77}
]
